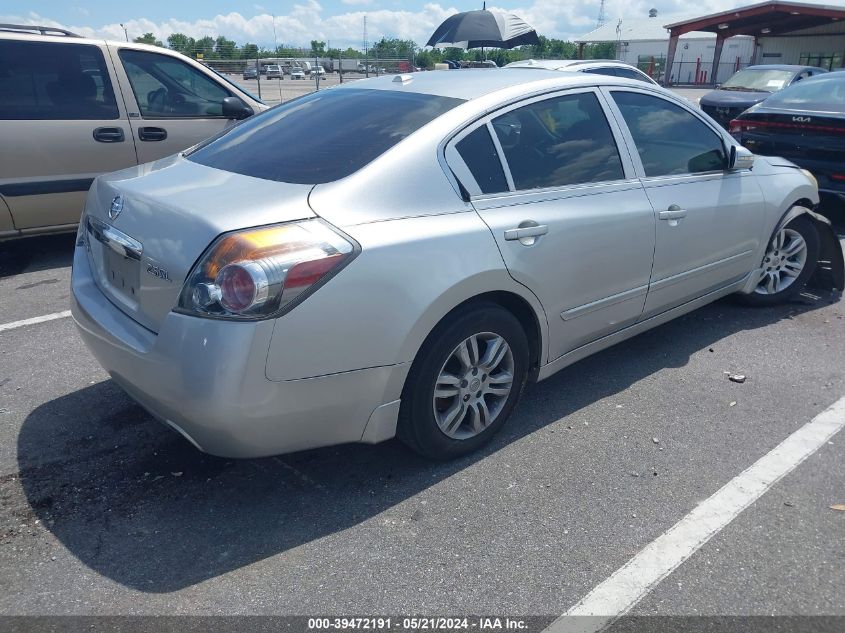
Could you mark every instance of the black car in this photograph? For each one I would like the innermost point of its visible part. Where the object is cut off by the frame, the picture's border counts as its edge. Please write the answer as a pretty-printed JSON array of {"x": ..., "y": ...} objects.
[
  {"x": 751, "y": 85},
  {"x": 804, "y": 123}
]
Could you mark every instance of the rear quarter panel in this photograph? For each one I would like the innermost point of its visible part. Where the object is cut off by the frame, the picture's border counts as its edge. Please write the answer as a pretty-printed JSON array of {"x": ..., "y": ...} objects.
[{"x": 378, "y": 310}]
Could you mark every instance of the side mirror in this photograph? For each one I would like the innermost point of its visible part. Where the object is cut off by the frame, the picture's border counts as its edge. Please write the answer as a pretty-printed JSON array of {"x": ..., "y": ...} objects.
[
  {"x": 740, "y": 158},
  {"x": 234, "y": 108}
]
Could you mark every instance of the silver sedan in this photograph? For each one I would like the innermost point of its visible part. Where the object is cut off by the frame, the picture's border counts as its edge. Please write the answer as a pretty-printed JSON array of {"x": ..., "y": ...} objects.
[{"x": 398, "y": 256}]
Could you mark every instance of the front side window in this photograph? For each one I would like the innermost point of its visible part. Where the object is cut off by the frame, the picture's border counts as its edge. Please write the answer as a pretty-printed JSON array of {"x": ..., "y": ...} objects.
[
  {"x": 557, "y": 142},
  {"x": 323, "y": 136},
  {"x": 479, "y": 154},
  {"x": 166, "y": 87},
  {"x": 669, "y": 139},
  {"x": 54, "y": 81}
]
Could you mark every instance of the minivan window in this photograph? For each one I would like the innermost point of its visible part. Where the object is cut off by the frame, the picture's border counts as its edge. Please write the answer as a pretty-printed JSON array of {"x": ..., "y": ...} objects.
[
  {"x": 562, "y": 141},
  {"x": 323, "y": 136},
  {"x": 669, "y": 139},
  {"x": 479, "y": 154},
  {"x": 166, "y": 87},
  {"x": 54, "y": 81}
]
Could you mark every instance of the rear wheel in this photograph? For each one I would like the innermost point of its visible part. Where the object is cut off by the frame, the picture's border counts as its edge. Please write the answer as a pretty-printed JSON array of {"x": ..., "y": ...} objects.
[
  {"x": 788, "y": 264},
  {"x": 464, "y": 382}
]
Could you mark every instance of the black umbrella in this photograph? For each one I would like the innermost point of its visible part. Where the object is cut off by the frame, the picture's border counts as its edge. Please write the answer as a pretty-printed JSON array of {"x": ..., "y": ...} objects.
[{"x": 474, "y": 29}]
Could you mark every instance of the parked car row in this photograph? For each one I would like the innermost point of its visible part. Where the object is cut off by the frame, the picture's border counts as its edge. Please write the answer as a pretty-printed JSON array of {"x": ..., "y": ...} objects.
[
  {"x": 208, "y": 282},
  {"x": 750, "y": 86}
]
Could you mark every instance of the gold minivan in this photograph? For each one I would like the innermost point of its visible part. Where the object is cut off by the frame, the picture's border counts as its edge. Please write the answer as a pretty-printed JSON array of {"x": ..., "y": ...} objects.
[{"x": 73, "y": 108}]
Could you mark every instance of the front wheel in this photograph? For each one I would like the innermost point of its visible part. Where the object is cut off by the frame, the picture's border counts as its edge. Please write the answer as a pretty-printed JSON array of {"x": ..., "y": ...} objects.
[
  {"x": 788, "y": 264},
  {"x": 464, "y": 383}
]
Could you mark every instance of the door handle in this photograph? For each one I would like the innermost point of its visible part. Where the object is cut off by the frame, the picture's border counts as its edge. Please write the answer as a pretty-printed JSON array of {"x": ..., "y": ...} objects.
[
  {"x": 535, "y": 230},
  {"x": 674, "y": 212},
  {"x": 152, "y": 133},
  {"x": 109, "y": 135}
]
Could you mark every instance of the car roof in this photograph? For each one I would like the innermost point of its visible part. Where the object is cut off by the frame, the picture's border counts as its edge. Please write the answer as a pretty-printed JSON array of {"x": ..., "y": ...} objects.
[
  {"x": 793, "y": 67},
  {"x": 471, "y": 83},
  {"x": 557, "y": 64}
]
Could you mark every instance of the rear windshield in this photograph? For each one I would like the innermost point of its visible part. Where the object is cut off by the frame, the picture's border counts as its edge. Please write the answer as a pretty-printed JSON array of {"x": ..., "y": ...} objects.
[
  {"x": 323, "y": 136},
  {"x": 819, "y": 94}
]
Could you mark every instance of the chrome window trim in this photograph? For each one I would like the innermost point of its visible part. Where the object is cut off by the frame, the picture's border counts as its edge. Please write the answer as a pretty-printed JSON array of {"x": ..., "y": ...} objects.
[
  {"x": 501, "y": 152},
  {"x": 629, "y": 167}
]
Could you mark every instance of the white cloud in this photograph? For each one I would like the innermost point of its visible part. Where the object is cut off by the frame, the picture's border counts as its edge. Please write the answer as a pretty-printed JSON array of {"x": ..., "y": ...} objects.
[{"x": 306, "y": 20}]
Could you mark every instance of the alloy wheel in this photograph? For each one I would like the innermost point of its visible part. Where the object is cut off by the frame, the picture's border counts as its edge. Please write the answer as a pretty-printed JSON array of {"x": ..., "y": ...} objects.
[
  {"x": 784, "y": 260},
  {"x": 473, "y": 385}
]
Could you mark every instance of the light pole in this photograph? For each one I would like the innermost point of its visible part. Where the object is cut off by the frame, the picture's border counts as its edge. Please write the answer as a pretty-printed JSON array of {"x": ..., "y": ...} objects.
[{"x": 125, "y": 32}]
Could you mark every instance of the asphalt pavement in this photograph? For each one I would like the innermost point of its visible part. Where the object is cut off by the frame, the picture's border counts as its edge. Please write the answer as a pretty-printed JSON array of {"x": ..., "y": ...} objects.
[{"x": 105, "y": 511}]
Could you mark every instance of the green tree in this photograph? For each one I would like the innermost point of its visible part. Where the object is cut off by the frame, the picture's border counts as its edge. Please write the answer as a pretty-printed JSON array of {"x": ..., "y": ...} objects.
[
  {"x": 182, "y": 43},
  {"x": 318, "y": 49},
  {"x": 249, "y": 51},
  {"x": 148, "y": 38},
  {"x": 225, "y": 49},
  {"x": 393, "y": 47}
]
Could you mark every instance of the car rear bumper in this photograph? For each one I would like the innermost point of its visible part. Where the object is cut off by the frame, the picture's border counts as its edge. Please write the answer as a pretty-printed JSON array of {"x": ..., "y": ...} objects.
[{"x": 207, "y": 379}]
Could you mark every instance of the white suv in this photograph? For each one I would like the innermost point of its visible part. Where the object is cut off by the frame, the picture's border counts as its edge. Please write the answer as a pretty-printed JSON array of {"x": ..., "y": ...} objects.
[{"x": 73, "y": 108}]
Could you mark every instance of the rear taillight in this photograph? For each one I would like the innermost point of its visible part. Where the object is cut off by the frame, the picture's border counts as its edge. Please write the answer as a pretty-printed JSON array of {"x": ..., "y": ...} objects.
[
  {"x": 262, "y": 272},
  {"x": 738, "y": 126},
  {"x": 838, "y": 177}
]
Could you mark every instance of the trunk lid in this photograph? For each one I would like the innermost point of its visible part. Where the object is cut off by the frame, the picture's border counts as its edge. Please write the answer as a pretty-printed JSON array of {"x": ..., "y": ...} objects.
[
  {"x": 813, "y": 140},
  {"x": 171, "y": 211}
]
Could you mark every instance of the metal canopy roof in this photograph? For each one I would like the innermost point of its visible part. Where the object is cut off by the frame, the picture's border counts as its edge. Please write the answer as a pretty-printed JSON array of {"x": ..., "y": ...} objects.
[{"x": 764, "y": 19}]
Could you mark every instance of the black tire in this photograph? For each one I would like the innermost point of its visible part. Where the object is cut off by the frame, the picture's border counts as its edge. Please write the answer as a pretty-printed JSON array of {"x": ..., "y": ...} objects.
[
  {"x": 805, "y": 227},
  {"x": 417, "y": 426}
]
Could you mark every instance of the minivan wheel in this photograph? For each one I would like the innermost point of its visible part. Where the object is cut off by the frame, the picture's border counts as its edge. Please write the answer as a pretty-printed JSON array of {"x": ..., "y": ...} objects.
[
  {"x": 789, "y": 262},
  {"x": 464, "y": 383}
]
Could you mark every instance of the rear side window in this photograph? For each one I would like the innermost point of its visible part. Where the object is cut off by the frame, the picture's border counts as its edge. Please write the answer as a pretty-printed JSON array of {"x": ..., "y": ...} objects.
[
  {"x": 630, "y": 73},
  {"x": 479, "y": 154},
  {"x": 562, "y": 141},
  {"x": 825, "y": 93},
  {"x": 323, "y": 136},
  {"x": 669, "y": 139},
  {"x": 166, "y": 87},
  {"x": 612, "y": 72},
  {"x": 54, "y": 81}
]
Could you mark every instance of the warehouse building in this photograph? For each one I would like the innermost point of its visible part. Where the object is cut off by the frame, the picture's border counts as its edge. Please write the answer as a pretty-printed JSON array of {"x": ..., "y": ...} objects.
[{"x": 709, "y": 49}]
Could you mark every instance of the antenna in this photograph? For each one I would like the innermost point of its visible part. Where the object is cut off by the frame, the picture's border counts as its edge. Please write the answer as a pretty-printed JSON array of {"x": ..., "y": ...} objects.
[{"x": 601, "y": 20}]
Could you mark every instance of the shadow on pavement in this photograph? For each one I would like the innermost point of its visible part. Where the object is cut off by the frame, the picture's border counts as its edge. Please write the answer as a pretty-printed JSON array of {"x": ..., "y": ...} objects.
[
  {"x": 32, "y": 254},
  {"x": 139, "y": 505}
]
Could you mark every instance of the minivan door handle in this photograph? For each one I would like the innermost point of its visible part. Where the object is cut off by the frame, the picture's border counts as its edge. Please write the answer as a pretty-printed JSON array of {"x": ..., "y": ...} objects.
[
  {"x": 109, "y": 135},
  {"x": 674, "y": 212},
  {"x": 152, "y": 133}
]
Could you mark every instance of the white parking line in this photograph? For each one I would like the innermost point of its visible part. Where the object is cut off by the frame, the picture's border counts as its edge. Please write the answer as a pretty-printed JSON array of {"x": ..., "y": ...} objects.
[
  {"x": 39, "y": 319},
  {"x": 635, "y": 579}
]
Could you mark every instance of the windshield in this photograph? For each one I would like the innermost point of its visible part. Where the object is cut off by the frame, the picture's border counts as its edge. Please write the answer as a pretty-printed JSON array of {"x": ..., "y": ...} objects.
[
  {"x": 323, "y": 136},
  {"x": 759, "y": 80},
  {"x": 819, "y": 94}
]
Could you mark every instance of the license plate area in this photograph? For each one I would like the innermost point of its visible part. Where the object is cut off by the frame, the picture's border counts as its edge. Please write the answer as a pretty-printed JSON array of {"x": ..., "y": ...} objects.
[{"x": 122, "y": 273}]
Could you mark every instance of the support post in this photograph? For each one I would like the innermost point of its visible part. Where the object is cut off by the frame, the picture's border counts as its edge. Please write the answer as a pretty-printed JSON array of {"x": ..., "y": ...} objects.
[
  {"x": 754, "y": 50},
  {"x": 670, "y": 59},
  {"x": 717, "y": 57}
]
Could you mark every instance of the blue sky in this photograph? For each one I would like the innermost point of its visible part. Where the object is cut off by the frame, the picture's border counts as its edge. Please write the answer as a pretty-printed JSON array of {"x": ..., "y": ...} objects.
[{"x": 339, "y": 21}]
